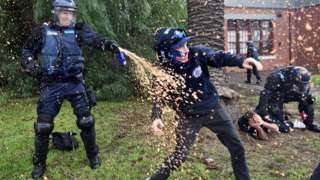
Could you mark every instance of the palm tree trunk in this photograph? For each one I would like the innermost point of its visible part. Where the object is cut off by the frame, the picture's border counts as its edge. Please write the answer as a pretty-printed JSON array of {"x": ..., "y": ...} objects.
[
  {"x": 206, "y": 21},
  {"x": 206, "y": 26}
]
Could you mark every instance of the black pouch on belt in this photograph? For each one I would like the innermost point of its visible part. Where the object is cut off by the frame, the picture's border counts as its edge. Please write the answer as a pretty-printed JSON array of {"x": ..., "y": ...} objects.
[{"x": 91, "y": 96}]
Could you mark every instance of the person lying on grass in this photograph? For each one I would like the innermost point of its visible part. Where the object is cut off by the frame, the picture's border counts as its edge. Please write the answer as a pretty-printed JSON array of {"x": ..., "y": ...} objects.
[{"x": 254, "y": 125}]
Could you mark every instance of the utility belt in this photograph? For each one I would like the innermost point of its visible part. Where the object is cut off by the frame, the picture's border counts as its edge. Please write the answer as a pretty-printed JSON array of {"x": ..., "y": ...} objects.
[
  {"x": 59, "y": 78},
  {"x": 90, "y": 94}
]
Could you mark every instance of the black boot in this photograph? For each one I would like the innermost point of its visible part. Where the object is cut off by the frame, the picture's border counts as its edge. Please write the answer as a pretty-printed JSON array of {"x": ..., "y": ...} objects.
[
  {"x": 38, "y": 170},
  {"x": 92, "y": 150},
  {"x": 40, "y": 156},
  {"x": 95, "y": 162},
  {"x": 313, "y": 128},
  {"x": 158, "y": 176},
  {"x": 162, "y": 174}
]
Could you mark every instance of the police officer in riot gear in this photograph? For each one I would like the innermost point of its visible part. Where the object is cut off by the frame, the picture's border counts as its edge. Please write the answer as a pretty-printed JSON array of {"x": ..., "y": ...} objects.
[
  {"x": 289, "y": 84},
  {"x": 60, "y": 70}
]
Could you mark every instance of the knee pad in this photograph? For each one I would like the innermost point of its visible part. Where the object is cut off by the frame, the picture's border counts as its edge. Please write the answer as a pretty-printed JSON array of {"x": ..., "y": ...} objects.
[
  {"x": 310, "y": 99},
  {"x": 86, "y": 123},
  {"x": 44, "y": 125},
  {"x": 82, "y": 112}
]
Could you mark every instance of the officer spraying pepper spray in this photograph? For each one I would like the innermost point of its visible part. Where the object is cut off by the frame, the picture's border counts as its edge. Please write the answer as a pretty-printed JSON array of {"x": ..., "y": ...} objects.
[{"x": 60, "y": 70}]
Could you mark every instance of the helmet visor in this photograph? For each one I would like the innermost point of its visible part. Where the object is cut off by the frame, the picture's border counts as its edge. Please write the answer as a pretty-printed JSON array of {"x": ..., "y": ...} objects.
[
  {"x": 175, "y": 37},
  {"x": 65, "y": 16},
  {"x": 180, "y": 43}
]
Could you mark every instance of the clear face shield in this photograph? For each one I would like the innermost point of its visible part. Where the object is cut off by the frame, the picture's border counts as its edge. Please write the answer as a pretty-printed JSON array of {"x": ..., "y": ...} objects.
[
  {"x": 65, "y": 16},
  {"x": 306, "y": 81},
  {"x": 303, "y": 85}
]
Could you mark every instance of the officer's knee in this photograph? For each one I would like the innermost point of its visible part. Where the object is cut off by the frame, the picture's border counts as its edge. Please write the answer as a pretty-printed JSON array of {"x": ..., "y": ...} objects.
[
  {"x": 44, "y": 125},
  {"x": 310, "y": 99},
  {"x": 86, "y": 123},
  {"x": 85, "y": 119},
  {"x": 83, "y": 111}
]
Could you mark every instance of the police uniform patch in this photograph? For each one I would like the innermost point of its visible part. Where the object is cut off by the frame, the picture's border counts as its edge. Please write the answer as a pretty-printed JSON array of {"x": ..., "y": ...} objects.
[
  {"x": 197, "y": 72},
  {"x": 52, "y": 33},
  {"x": 167, "y": 31},
  {"x": 281, "y": 76},
  {"x": 69, "y": 31}
]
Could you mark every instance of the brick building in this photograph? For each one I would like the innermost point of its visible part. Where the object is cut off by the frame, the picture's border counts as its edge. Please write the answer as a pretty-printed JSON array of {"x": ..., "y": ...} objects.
[{"x": 286, "y": 32}]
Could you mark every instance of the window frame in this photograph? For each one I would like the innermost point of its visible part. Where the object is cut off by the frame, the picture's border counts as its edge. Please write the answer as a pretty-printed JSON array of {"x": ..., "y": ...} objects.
[{"x": 247, "y": 25}]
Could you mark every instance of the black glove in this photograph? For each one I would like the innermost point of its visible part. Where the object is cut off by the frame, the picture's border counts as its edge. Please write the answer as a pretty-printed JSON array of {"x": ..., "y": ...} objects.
[
  {"x": 310, "y": 99},
  {"x": 30, "y": 67},
  {"x": 107, "y": 45},
  {"x": 114, "y": 46}
]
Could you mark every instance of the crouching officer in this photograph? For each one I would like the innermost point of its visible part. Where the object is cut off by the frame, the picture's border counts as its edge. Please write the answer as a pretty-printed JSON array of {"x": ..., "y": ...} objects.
[
  {"x": 204, "y": 110},
  {"x": 60, "y": 70},
  {"x": 289, "y": 84},
  {"x": 316, "y": 173}
]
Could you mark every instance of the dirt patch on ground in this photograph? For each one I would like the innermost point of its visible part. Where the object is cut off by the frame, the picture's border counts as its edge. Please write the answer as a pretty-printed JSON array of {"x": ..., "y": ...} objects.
[{"x": 283, "y": 156}]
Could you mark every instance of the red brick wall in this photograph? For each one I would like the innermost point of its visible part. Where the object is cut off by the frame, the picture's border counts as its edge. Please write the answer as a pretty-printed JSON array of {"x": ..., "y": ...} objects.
[
  {"x": 306, "y": 36},
  {"x": 280, "y": 34},
  {"x": 304, "y": 41}
]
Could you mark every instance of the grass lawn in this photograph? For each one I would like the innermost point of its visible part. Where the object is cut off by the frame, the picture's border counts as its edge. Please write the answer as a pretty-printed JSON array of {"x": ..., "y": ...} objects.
[
  {"x": 129, "y": 151},
  {"x": 316, "y": 79}
]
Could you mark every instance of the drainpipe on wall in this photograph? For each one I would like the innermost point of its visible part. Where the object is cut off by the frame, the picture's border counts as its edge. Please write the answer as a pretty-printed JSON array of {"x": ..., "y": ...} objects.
[{"x": 290, "y": 35}]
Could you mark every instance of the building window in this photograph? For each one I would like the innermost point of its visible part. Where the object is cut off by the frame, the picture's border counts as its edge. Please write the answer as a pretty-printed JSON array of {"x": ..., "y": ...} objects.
[
  {"x": 260, "y": 32},
  {"x": 232, "y": 41},
  {"x": 243, "y": 38},
  {"x": 232, "y": 38}
]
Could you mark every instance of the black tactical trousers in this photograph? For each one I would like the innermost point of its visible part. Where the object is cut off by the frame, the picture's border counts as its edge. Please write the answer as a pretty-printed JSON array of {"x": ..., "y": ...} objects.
[
  {"x": 49, "y": 104},
  {"x": 219, "y": 122},
  {"x": 255, "y": 72},
  {"x": 316, "y": 173}
]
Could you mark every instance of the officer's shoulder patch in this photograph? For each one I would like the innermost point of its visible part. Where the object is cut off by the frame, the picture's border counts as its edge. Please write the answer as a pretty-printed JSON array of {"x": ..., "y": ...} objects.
[{"x": 48, "y": 30}]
